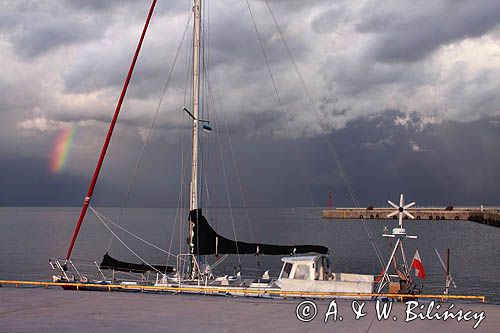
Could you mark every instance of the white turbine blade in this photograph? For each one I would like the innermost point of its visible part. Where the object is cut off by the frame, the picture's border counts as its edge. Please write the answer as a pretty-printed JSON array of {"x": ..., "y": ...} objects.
[
  {"x": 392, "y": 204},
  {"x": 409, "y": 205},
  {"x": 400, "y": 218},
  {"x": 409, "y": 215},
  {"x": 393, "y": 213},
  {"x": 401, "y": 200}
]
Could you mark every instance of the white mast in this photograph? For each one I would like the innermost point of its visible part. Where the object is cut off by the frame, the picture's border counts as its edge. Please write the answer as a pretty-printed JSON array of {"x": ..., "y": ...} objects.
[{"x": 193, "y": 202}]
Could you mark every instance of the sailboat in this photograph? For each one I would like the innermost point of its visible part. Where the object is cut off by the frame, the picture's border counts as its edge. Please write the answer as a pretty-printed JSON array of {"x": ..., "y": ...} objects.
[{"x": 306, "y": 269}]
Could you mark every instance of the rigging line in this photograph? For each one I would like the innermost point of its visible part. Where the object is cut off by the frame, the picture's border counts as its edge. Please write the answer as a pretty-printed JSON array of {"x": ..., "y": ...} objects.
[
  {"x": 200, "y": 137},
  {"x": 299, "y": 74},
  {"x": 329, "y": 143},
  {"x": 201, "y": 103},
  {"x": 206, "y": 65},
  {"x": 209, "y": 204},
  {"x": 187, "y": 92},
  {"x": 212, "y": 102},
  {"x": 205, "y": 116},
  {"x": 189, "y": 52},
  {"x": 306, "y": 90},
  {"x": 122, "y": 242},
  {"x": 278, "y": 96},
  {"x": 211, "y": 97},
  {"x": 179, "y": 198},
  {"x": 239, "y": 179},
  {"x": 220, "y": 260},
  {"x": 226, "y": 185},
  {"x": 134, "y": 235},
  {"x": 107, "y": 141},
  {"x": 214, "y": 110},
  {"x": 227, "y": 193},
  {"x": 180, "y": 206},
  {"x": 151, "y": 126}
]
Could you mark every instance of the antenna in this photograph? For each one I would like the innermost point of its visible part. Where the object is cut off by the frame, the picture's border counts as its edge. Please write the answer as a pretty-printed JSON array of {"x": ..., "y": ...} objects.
[{"x": 449, "y": 279}]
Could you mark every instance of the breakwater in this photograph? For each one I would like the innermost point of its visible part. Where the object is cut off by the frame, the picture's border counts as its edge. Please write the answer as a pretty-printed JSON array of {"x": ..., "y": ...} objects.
[{"x": 489, "y": 216}]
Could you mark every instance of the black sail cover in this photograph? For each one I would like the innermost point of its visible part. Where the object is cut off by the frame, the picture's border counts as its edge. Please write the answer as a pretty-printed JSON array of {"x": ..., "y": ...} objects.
[
  {"x": 109, "y": 262},
  {"x": 207, "y": 241}
]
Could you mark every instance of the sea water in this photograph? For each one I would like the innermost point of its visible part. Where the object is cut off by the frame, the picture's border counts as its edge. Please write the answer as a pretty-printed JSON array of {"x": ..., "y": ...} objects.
[{"x": 30, "y": 236}]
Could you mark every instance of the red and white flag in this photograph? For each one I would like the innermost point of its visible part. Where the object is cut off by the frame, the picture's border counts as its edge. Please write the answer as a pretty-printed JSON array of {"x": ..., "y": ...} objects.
[{"x": 417, "y": 264}]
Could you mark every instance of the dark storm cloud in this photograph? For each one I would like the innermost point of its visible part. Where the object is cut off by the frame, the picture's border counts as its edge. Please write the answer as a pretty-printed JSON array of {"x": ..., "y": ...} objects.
[
  {"x": 410, "y": 32},
  {"x": 283, "y": 172},
  {"x": 30, "y": 184},
  {"x": 396, "y": 103},
  {"x": 450, "y": 169}
]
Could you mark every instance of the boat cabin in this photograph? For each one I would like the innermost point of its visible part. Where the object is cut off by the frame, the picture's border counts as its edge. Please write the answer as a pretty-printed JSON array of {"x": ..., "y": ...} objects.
[
  {"x": 306, "y": 268},
  {"x": 313, "y": 274}
]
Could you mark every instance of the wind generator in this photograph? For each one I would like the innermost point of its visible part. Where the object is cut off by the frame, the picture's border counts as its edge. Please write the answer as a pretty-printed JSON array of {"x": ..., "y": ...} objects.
[{"x": 404, "y": 283}]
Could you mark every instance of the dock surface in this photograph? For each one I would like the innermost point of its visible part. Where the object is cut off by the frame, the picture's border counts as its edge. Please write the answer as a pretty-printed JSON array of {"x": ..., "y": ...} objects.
[{"x": 56, "y": 310}]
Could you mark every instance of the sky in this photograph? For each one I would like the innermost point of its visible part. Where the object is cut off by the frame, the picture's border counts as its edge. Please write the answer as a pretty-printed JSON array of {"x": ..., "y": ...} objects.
[{"x": 405, "y": 91}]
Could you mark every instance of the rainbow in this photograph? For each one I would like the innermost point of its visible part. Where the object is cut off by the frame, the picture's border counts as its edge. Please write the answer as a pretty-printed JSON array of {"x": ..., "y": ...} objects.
[{"x": 60, "y": 153}]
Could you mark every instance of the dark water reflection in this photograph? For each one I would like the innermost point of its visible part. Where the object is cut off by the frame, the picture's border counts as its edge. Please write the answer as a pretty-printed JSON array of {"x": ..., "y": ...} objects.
[{"x": 29, "y": 236}]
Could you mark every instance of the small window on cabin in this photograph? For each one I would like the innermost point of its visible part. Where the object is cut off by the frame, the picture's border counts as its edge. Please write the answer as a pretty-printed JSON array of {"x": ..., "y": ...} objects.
[
  {"x": 302, "y": 272},
  {"x": 286, "y": 270},
  {"x": 318, "y": 271},
  {"x": 326, "y": 266}
]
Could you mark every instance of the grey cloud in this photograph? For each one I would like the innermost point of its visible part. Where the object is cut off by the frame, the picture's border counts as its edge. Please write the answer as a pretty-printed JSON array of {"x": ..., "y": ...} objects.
[
  {"x": 467, "y": 95},
  {"x": 36, "y": 28},
  {"x": 133, "y": 7},
  {"x": 411, "y": 33},
  {"x": 252, "y": 124},
  {"x": 367, "y": 99},
  {"x": 328, "y": 21},
  {"x": 42, "y": 35},
  {"x": 382, "y": 143},
  {"x": 304, "y": 165},
  {"x": 98, "y": 4}
]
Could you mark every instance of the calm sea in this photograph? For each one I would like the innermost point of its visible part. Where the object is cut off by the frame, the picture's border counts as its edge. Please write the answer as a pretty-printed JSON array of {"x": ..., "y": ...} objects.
[{"x": 29, "y": 236}]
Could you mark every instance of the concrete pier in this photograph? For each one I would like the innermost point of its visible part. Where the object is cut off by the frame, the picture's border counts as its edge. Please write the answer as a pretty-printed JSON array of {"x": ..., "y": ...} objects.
[
  {"x": 55, "y": 310},
  {"x": 420, "y": 213}
]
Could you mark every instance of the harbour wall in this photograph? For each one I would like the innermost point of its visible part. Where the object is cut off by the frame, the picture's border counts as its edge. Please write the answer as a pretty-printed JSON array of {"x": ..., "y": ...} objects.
[{"x": 490, "y": 216}]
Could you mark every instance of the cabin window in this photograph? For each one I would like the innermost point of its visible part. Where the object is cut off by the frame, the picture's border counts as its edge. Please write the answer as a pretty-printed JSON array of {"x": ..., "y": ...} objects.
[
  {"x": 286, "y": 270},
  {"x": 318, "y": 272},
  {"x": 326, "y": 265},
  {"x": 302, "y": 272}
]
